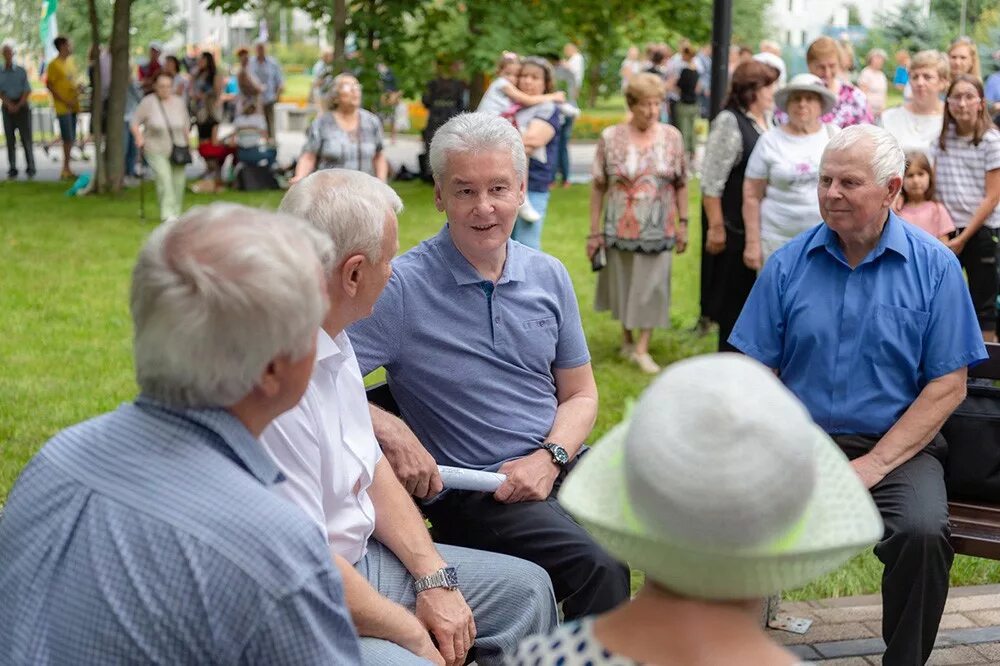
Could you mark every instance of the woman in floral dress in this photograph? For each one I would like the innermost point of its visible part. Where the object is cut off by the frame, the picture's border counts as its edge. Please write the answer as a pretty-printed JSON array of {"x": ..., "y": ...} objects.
[{"x": 638, "y": 216}]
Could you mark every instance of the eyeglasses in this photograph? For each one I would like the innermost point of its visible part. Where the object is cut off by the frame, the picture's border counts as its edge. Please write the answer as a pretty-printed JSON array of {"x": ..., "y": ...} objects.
[{"x": 969, "y": 99}]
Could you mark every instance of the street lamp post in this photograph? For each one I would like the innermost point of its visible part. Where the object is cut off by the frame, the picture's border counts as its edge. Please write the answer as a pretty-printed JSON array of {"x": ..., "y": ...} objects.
[{"x": 722, "y": 30}]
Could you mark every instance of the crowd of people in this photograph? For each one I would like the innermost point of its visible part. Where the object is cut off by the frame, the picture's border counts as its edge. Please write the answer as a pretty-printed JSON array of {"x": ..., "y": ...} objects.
[{"x": 834, "y": 257}]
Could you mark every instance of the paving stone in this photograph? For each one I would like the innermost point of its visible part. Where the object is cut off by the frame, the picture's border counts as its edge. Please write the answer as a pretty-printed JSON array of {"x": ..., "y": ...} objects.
[
  {"x": 797, "y": 609},
  {"x": 973, "y": 590},
  {"x": 823, "y": 633},
  {"x": 874, "y": 660},
  {"x": 851, "y": 614},
  {"x": 860, "y": 647},
  {"x": 804, "y": 652},
  {"x": 972, "y": 603},
  {"x": 846, "y": 661},
  {"x": 974, "y": 635},
  {"x": 841, "y": 602},
  {"x": 961, "y": 654},
  {"x": 984, "y": 618},
  {"x": 955, "y": 621},
  {"x": 990, "y": 650}
]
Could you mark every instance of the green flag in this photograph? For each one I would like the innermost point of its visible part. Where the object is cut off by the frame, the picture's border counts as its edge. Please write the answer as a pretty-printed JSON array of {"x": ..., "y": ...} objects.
[{"x": 47, "y": 28}]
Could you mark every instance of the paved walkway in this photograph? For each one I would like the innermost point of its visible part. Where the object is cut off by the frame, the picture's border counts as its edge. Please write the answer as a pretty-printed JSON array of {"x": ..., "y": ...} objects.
[
  {"x": 403, "y": 152},
  {"x": 847, "y": 631}
]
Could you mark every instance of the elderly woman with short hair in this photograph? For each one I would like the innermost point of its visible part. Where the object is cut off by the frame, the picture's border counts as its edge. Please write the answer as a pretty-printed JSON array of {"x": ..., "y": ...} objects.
[
  {"x": 779, "y": 187},
  {"x": 873, "y": 81},
  {"x": 726, "y": 280},
  {"x": 638, "y": 215},
  {"x": 825, "y": 59},
  {"x": 160, "y": 123},
  {"x": 345, "y": 137}
]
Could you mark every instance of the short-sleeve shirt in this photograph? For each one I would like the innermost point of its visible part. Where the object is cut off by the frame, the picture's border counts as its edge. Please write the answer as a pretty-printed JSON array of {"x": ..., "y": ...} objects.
[
  {"x": 268, "y": 73},
  {"x": 336, "y": 148},
  {"x": 992, "y": 88},
  {"x": 149, "y": 535},
  {"x": 13, "y": 82},
  {"x": 931, "y": 216},
  {"x": 961, "y": 175},
  {"x": 471, "y": 363},
  {"x": 541, "y": 174},
  {"x": 327, "y": 450},
  {"x": 61, "y": 77},
  {"x": 913, "y": 131},
  {"x": 857, "y": 346},
  {"x": 790, "y": 165}
]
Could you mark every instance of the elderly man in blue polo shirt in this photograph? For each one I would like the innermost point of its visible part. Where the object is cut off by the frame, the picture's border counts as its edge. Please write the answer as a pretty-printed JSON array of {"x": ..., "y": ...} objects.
[
  {"x": 484, "y": 351},
  {"x": 149, "y": 534},
  {"x": 14, "y": 92},
  {"x": 867, "y": 320}
]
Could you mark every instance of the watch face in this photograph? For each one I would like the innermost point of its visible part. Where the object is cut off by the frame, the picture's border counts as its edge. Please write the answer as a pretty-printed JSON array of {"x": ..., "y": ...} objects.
[
  {"x": 450, "y": 577},
  {"x": 559, "y": 454}
]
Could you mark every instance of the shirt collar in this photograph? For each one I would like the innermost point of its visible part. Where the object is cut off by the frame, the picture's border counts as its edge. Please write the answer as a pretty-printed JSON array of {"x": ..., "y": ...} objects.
[
  {"x": 893, "y": 238},
  {"x": 231, "y": 433},
  {"x": 332, "y": 352},
  {"x": 465, "y": 273}
]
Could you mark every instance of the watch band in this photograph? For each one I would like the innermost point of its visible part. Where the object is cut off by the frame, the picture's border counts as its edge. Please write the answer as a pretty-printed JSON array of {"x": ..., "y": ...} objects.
[{"x": 446, "y": 577}]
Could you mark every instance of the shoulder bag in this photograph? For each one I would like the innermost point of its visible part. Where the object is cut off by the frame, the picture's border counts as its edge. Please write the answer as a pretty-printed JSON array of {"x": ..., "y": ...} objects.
[{"x": 179, "y": 154}]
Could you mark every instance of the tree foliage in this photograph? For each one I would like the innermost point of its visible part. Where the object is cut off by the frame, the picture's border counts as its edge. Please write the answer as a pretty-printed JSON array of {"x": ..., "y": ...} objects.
[{"x": 908, "y": 28}]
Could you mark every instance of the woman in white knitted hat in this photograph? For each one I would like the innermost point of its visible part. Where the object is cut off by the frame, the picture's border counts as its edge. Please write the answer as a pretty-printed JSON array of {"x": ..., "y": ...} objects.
[{"x": 723, "y": 491}]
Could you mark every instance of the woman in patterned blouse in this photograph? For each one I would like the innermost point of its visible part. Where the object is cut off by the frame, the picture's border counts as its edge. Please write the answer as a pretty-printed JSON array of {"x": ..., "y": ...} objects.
[
  {"x": 638, "y": 215},
  {"x": 824, "y": 59}
]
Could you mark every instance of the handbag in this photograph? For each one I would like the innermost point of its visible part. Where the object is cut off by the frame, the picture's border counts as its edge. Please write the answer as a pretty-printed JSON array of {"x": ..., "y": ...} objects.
[
  {"x": 973, "y": 435},
  {"x": 179, "y": 155}
]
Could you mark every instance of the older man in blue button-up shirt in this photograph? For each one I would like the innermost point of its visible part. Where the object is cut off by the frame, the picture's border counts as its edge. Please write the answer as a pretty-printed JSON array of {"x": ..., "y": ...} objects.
[
  {"x": 149, "y": 534},
  {"x": 868, "y": 321},
  {"x": 14, "y": 92}
]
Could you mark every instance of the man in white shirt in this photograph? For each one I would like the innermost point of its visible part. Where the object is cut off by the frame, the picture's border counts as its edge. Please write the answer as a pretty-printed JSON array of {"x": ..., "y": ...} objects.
[{"x": 400, "y": 587}]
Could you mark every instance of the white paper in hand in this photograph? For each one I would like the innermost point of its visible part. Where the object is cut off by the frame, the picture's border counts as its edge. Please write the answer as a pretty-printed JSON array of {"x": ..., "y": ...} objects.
[{"x": 456, "y": 478}]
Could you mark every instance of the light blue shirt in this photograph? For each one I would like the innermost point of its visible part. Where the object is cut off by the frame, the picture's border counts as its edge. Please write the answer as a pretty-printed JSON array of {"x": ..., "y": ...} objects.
[
  {"x": 857, "y": 346},
  {"x": 269, "y": 74},
  {"x": 13, "y": 82},
  {"x": 469, "y": 363},
  {"x": 148, "y": 535},
  {"x": 992, "y": 89}
]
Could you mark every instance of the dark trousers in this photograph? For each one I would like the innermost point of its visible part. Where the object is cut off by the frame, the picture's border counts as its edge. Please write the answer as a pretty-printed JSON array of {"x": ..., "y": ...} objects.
[
  {"x": 21, "y": 123},
  {"x": 914, "y": 549},
  {"x": 585, "y": 578},
  {"x": 979, "y": 259},
  {"x": 562, "y": 157},
  {"x": 269, "y": 119}
]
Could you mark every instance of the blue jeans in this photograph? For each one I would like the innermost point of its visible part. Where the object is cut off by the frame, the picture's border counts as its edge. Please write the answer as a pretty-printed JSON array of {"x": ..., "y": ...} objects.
[
  {"x": 67, "y": 127},
  {"x": 530, "y": 233},
  {"x": 562, "y": 157}
]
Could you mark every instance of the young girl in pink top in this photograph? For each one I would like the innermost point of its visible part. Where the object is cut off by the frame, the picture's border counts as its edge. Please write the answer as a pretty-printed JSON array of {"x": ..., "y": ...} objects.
[{"x": 917, "y": 203}]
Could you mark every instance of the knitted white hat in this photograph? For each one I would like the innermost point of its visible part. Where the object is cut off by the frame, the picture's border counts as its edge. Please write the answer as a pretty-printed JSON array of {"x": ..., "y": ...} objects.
[{"x": 720, "y": 486}]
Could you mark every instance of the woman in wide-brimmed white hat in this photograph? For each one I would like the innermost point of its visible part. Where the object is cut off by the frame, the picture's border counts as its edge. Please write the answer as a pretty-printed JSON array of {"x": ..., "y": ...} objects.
[
  {"x": 723, "y": 491},
  {"x": 779, "y": 185}
]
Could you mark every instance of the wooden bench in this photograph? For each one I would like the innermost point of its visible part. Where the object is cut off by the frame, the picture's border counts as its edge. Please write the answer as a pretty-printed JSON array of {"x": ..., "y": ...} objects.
[{"x": 975, "y": 526}]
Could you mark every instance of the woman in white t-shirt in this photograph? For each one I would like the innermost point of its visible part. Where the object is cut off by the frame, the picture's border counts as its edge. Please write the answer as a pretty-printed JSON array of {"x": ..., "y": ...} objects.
[
  {"x": 917, "y": 124},
  {"x": 779, "y": 187},
  {"x": 873, "y": 82},
  {"x": 968, "y": 182}
]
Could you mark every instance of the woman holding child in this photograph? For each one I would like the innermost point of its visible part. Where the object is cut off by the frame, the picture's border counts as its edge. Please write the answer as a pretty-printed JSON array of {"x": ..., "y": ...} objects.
[{"x": 638, "y": 216}]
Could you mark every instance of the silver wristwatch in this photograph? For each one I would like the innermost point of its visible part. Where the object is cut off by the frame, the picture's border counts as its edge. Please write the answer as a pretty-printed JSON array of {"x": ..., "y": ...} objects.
[{"x": 446, "y": 577}]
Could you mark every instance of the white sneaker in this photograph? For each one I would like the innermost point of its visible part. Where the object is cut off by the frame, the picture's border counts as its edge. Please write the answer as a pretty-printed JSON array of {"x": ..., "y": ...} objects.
[
  {"x": 569, "y": 110},
  {"x": 528, "y": 213}
]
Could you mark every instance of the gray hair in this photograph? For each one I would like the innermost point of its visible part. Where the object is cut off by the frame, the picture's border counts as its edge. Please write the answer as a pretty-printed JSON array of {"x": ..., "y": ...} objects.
[
  {"x": 888, "y": 159},
  {"x": 348, "y": 207},
  {"x": 477, "y": 133},
  {"x": 219, "y": 294}
]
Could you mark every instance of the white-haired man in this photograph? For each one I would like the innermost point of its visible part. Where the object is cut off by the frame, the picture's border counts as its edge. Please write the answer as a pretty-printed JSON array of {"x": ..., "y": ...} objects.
[
  {"x": 149, "y": 534},
  {"x": 868, "y": 321},
  {"x": 14, "y": 92},
  {"x": 484, "y": 351},
  {"x": 400, "y": 588}
]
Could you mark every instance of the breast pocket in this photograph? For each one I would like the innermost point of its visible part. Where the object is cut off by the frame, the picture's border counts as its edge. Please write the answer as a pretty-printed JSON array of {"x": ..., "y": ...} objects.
[
  {"x": 535, "y": 342},
  {"x": 895, "y": 335}
]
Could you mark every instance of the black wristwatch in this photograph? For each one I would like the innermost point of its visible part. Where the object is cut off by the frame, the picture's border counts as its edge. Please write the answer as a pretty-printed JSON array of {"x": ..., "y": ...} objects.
[
  {"x": 559, "y": 455},
  {"x": 446, "y": 577}
]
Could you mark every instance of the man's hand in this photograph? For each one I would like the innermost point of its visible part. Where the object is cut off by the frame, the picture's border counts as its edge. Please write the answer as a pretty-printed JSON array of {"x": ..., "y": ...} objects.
[
  {"x": 957, "y": 244},
  {"x": 414, "y": 467},
  {"x": 418, "y": 641},
  {"x": 715, "y": 240},
  {"x": 446, "y": 615},
  {"x": 529, "y": 479},
  {"x": 868, "y": 470}
]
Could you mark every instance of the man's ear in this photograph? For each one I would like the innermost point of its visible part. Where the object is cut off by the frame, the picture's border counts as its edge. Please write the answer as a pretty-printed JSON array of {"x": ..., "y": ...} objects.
[
  {"x": 438, "y": 200},
  {"x": 269, "y": 384},
  {"x": 522, "y": 192},
  {"x": 895, "y": 185},
  {"x": 350, "y": 274}
]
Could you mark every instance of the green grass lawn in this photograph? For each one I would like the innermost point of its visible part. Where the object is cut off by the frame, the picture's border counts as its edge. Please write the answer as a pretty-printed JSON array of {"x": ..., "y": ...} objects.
[{"x": 65, "y": 340}]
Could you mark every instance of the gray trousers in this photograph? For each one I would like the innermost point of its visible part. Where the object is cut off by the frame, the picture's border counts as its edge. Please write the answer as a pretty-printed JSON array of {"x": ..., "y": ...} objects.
[
  {"x": 21, "y": 122},
  {"x": 510, "y": 599}
]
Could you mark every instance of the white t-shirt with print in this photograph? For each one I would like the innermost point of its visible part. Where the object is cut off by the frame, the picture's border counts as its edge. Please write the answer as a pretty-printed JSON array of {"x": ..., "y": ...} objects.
[
  {"x": 790, "y": 165},
  {"x": 914, "y": 132}
]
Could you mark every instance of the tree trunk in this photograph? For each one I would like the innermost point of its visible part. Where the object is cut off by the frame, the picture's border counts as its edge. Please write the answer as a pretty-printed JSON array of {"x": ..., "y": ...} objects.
[
  {"x": 97, "y": 102},
  {"x": 339, "y": 32},
  {"x": 116, "y": 97}
]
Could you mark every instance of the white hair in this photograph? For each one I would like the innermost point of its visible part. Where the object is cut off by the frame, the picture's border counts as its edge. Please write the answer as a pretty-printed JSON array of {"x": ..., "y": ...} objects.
[
  {"x": 477, "y": 133},
  {"x": 219, "y": 294},
  {"x": 348, "y": 207},
  {"x": 887, "y": 160}
]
